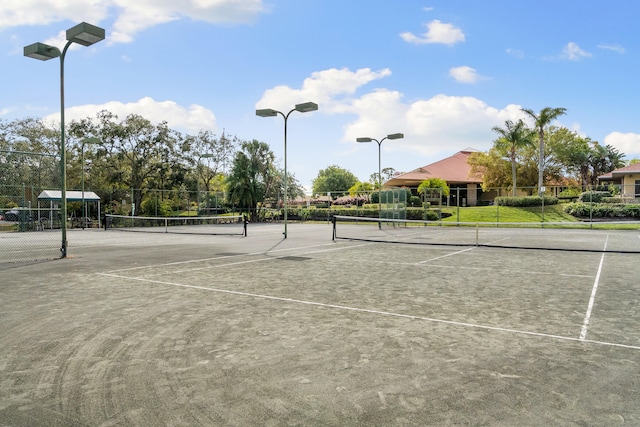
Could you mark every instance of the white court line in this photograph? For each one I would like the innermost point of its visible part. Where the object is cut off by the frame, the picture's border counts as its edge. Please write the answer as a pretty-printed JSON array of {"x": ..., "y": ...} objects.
[
  {"x": 592, "y": 299},
  {"x": 191, "y": 261},
  {"x": 372, "y": 311},
  {"x": 447, "y": 255}
]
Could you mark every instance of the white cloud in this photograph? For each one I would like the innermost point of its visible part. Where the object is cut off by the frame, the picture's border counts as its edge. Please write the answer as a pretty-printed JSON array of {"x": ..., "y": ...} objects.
[
  {"x": 627, "y": 143},
  {"x": 189, "y": 119},
  {"x": 572, "y": 52},
  {"x": 437, "y": 32},
  {"x": 131, "y": 16},
  {"x": 515, "y": 53},
  {"x": 612, "y": 47},
  {"x": 441, "y": 124},
  {"x": 16, "y": 13},
  {"x": 465, "y": 74},
  {"x": 325, "y": 88}
]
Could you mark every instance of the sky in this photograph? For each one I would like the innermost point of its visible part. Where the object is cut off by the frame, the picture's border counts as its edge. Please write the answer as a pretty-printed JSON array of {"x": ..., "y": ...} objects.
[{"x": 442, "y": 72}]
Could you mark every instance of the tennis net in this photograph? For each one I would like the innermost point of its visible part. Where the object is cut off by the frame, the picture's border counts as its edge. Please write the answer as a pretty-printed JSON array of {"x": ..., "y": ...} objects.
[
  {"x": 622, "y": 237},
  {"x": 220, "y": 224}
]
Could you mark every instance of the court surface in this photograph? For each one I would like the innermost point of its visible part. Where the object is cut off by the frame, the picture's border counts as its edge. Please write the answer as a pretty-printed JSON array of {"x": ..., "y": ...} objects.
[{"x": 182, "y": 330}]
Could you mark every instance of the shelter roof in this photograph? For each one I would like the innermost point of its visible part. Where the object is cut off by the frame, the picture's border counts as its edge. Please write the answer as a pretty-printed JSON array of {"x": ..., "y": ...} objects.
[{"x": 74, "y": 196}]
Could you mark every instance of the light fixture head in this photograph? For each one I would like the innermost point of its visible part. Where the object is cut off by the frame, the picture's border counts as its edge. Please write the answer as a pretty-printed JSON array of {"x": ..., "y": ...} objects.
[
  {"x": 305, "y": 107},
  {"x": 395, "y": 136},
  {"x": 91, "y": 140},
  {"x": 364, "y": 139},
  {"x": 85, "y": 34},
  {"x": 41, "y": 51},
  {"x": 266, "y": 112}
]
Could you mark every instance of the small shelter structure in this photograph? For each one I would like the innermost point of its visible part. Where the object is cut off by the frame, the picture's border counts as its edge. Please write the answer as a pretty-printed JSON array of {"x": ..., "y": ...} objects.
[{"x": 55, "y": 196}]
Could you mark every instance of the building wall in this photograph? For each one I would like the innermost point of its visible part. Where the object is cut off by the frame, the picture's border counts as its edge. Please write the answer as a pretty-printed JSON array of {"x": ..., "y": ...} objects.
[{"x": 629, "y": 185}]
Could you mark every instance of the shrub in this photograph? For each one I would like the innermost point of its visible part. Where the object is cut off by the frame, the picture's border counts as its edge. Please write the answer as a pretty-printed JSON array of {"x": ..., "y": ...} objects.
[
  {"x": 525, "y": 201},
  {"x": 593, "y": 196},
  {"x": 603, "y": 210}
]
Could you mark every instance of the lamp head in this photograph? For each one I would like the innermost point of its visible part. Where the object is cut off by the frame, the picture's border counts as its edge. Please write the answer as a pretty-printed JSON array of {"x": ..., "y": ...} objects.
[
  {"x": 41, "y": 51},
  {"x": 266, "y": 112},
  {"x": 364, "y": 139},
  {"x": 85, "y": 34},
  {"x": 305, "y": 107},
  {"x": 91, "y": 140},
  {"x": 395, "y": 136}
]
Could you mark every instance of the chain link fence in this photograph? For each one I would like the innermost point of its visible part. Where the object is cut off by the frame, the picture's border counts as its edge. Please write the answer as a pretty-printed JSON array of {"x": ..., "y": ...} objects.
[{"x": 30, "y": 225}]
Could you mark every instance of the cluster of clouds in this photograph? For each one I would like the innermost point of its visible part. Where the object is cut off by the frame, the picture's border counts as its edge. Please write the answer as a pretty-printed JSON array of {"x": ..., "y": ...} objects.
[
  {"x": 131, "y": 17},
  {"x": 440, "y": 122}
]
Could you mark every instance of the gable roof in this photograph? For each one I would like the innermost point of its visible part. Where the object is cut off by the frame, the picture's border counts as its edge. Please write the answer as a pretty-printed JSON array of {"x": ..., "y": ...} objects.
[
  {"x": 634, "y": 168},
  {"x": 75, "y": 196},
  {"x": 454, "y": 169}
]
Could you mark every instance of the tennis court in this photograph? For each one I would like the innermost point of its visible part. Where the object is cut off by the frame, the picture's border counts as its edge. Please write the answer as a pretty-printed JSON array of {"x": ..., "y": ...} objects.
[{"x": 171, "y": 329}]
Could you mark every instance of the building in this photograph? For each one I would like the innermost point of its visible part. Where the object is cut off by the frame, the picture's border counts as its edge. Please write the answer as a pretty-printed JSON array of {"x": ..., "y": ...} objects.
[
  {"x": 456, "y": 171},
  {"x": 628, "y": 178}
]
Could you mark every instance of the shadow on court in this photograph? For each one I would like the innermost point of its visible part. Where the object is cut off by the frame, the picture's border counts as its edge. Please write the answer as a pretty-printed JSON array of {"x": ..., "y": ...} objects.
[{"x": 162, "y": 329}]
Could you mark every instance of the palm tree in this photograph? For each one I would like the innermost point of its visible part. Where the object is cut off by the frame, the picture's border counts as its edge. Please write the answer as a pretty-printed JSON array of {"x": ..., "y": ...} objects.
[
  {"x": 541, "y": 120},
  {"x": 513, "y": 137}
]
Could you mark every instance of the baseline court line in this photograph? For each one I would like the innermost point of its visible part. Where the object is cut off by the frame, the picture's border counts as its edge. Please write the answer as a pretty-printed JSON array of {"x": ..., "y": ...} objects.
[{"x": 372, "y": 311}]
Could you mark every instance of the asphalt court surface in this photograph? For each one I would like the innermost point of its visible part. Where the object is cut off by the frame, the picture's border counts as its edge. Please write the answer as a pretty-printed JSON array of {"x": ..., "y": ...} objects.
[{"x": 140, "y": 329}]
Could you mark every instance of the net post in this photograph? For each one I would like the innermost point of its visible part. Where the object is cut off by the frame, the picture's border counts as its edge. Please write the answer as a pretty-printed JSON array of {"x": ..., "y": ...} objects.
[
  {"x": 245, "y": 221},
  {"x": 333, "y": 220},
  {"x": 477, "y": 232}
]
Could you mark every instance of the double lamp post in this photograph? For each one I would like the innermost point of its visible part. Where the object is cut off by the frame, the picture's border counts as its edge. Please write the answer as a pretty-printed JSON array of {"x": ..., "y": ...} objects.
[
  {"x": 367, "y": 139},
  {"x": 85, "y": 35},
  {"x": 268, "y": 112}
]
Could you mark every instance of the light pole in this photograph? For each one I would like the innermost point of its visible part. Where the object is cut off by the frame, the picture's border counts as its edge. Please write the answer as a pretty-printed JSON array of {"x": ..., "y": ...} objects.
[
  {"x": 86, "y": 35},
  {"x": 84, "y": 208},
  {"x": 367, "y": 139},
  {"x": 268, "y": 112}
]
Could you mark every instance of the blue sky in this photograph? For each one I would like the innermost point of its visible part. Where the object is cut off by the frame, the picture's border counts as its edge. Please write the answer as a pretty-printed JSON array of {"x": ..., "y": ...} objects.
[{"x": 442, "y": 72}]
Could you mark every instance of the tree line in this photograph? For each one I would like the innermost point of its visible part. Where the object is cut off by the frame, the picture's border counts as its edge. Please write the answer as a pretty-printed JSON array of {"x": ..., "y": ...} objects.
[{"x": 130, "y": 158}]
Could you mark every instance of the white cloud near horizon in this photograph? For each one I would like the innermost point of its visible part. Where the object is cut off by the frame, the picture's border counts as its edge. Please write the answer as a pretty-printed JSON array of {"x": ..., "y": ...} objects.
[
  {"x": 131, "y": 17},
  {"x": 440, "y": 123},
  {"x": 627, "y": 143},
  {"x": 189, "y": 119},
  {"x": 465, "y": 74},
  {"x": 438, "y": 32}
]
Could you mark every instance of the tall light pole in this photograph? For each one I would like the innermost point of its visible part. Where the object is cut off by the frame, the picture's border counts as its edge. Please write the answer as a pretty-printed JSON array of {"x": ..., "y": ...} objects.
[
  {"x": 268, "y": 112},
  {"x": 85, "y": 35},
  {"x": 84, "y": 208},
  {"x": 367, "y": 139}
]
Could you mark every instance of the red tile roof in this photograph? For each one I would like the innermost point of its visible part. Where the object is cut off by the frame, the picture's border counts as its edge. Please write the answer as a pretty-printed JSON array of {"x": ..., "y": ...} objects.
[
  {"x": 454, "y": 170},
  {"x": 634, "y": 168}
]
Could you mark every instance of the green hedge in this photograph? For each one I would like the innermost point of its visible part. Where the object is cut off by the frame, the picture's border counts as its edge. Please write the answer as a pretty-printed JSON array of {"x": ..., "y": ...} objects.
[
  {"x": 525, "y": 201},
  {"x": 594, "y": 196},
  {"x": 603, "y": 210},
  {"x": 370, "y": 211}
]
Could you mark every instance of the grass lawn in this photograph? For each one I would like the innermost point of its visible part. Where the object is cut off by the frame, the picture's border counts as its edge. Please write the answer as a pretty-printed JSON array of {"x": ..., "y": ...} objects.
[{"x": 552, "y": 213}]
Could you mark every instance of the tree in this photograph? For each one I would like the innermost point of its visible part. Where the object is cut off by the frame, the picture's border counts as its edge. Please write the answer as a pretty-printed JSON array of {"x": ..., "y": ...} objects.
[
  {"x": 333, "y": 179},
  {"x": 492, "y": 166},
  {"x": 434, "y": 185},
  {"x": 387, "y": 174},
  {"x": 513, "y": 137},
  {"x": 541, "y": 121},
  {"x": 252, "y": 176},
  {"x": 210, "y": 155},
  {"x": 134, "y": 152},
  {"x": 361, "y": 189}
]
